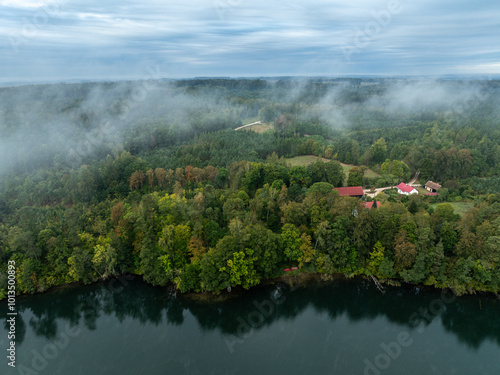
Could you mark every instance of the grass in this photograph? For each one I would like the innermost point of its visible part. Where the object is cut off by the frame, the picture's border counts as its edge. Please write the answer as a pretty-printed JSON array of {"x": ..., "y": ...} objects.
[
  {"x": 421, "y": 190},
  {"x": 460, "y": 207},
  {"x": 308, "y": 159},
  {"x": 347, "y": 168},
  {"x": 304, "y": 160},
  {"x": 368, "y": 172},
  {"x": 371, "y": 174},
  {"x": 259, "y": 128}
]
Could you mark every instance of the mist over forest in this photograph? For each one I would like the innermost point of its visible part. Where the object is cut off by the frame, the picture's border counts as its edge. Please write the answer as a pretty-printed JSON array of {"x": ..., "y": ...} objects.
[
  {"x": 345, "y": 151},
  {"x": 154, "y": 178},
  {"x": 65, "y": 125}
]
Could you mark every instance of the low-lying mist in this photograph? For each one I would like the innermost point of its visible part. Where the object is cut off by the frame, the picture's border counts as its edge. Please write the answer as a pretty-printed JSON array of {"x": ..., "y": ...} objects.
[
  {"x": 38, "y": 123},
  {"x": 66, "y": 124}
]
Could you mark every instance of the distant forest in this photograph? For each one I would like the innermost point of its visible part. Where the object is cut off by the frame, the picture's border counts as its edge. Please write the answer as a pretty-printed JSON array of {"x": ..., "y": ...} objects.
[{"x": 150, "y": 178}]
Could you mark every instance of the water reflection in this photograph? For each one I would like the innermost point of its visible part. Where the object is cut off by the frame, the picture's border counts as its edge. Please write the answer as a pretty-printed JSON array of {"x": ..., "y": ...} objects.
[{"x": 472, "y": 322}]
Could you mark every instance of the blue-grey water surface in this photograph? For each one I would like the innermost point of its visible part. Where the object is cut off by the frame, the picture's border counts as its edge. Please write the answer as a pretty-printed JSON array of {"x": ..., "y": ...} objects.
[{"x": 344, "y": 327}]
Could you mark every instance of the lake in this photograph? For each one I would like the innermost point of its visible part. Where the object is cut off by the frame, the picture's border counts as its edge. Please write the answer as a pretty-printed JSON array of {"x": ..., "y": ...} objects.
[{"x": 341, "y": 327}]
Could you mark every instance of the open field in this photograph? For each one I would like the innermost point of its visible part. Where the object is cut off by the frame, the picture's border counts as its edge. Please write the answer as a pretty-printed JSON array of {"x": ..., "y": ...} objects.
[
  {"x": 304, "y": 160},
  {"x": 308, "y": 159},
  {"x": 255, "y": 125},
  {"x": 460, "y": 207},
  {"x": 259, "y": 128},
  {"x": 368, "y": 172}
]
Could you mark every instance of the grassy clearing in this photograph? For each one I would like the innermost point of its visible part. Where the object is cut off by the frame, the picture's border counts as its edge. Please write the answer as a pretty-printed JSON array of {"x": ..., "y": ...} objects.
[
  {"x": 347, "y": 168},
  {"x": 460, "y": 207},
  {"x": 308, "y": 159},
  {"x": 304, "y": 160},
  {"x": 421, "y": 190},
  {"x": 259, "y": 128},
  {"x": 371, "y": 174},
  {"x": 368, "y": 172}
]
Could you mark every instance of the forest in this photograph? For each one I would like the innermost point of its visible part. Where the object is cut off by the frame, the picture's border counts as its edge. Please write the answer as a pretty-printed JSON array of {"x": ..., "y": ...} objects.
[{"x": 150, "y": 178}]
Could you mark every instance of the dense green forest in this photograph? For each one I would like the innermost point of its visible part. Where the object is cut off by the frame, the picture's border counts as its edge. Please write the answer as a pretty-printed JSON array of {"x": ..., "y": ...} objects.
[{"x": 150, "y": 178}]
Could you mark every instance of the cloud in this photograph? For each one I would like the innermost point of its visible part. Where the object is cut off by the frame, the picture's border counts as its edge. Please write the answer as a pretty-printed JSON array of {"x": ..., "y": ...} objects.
[
  {"x": 493, "y": 68},
  {"x": 94, "y": 39},
  {"x": 25, "y": 3}
]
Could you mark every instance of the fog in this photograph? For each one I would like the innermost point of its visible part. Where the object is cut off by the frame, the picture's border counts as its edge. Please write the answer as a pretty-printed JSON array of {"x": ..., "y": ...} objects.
[
  {"x": 424, "y": 95},
  {"x": 78, "y": 119},
  {"x": 66, "y": 124},
  {"x": 458, "y": 100}
]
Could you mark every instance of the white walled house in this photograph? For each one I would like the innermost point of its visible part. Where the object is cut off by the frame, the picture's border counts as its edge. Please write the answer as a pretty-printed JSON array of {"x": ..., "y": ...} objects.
[{"x": 406, "y": 189}]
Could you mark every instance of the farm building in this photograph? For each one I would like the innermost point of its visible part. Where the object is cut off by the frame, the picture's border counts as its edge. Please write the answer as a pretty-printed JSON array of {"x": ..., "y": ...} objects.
[
  {"x": 406, "y": 189},
  {"x": 370, "y": 205},
  {"x": 432, "y": 186},
  {"x": 351, "y": 191}
]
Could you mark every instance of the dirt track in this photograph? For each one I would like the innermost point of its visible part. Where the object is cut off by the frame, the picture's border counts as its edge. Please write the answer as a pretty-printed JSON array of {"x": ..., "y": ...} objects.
[
  {"x": 369, "y": 193},
  {"x": 253, "y": 123}
]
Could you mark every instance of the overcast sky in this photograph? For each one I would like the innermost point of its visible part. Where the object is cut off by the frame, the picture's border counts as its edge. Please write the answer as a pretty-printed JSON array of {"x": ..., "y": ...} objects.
[{"x": 44, "y": 40}]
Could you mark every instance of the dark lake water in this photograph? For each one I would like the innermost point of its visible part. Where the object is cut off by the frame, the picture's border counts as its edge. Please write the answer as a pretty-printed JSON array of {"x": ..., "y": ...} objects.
[{"x": 343, "y": 327}]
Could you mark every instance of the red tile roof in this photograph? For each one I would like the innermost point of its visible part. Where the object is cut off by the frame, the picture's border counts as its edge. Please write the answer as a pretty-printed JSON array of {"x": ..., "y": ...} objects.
[
  {"x": 370, "y": 204},
  {"x": 351, "y": 191},
  {"x": 406, "y": 188}
]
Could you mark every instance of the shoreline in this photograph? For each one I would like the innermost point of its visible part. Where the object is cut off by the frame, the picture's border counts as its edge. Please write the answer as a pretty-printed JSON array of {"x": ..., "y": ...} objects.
[{"x": 293, "y": 280}]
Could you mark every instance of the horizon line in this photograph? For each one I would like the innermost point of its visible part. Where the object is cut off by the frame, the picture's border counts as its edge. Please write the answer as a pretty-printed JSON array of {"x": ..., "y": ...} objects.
[{"x": 18, "y": 83}]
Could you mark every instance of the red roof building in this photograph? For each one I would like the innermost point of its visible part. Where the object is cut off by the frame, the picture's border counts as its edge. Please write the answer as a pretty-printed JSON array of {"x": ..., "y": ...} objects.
[
  {"x": 351, "y": 191},
  {"x": 369, "y": 205},
  {"x": 406, "y": 189}
]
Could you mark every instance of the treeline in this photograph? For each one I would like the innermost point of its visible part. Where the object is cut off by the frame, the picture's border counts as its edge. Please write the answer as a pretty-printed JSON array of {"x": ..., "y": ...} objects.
[
  {"x": 175, "y": 194},
  {"x": 351, "y": 120},
  {"x": 213, "y": 228}
]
